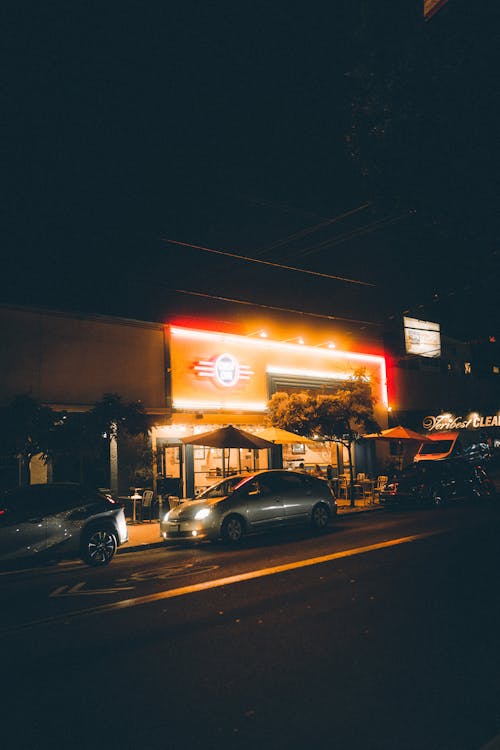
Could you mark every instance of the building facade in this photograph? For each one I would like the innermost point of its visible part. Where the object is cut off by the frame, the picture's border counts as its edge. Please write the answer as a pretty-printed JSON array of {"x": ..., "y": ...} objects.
[{"x": 190, "y": 380}]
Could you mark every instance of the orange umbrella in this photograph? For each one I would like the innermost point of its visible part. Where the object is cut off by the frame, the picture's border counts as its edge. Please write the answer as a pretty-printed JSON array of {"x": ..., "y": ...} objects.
[{"x": 398, "y": 433}]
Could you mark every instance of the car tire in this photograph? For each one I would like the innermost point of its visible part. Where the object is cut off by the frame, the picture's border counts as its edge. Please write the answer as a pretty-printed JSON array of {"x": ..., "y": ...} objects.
[
  {"x": 233, "y": 530},
  {"x": 320, "y": 517},
  {"x": 99, "y": 546}
]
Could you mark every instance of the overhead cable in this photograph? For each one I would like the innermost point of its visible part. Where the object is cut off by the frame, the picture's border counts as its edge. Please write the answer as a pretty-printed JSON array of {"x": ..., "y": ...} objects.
[
  {"x": 269, "y": 263},
  {"x": 274, "y": 307}
]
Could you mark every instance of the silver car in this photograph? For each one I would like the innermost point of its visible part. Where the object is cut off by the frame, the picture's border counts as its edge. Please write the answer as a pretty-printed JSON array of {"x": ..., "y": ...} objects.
[
  {"x": 60, "y": 520},
  {"x": 250, "y": 503}
]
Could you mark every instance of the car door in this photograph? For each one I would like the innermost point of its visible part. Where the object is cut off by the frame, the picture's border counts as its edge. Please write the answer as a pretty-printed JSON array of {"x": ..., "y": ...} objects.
[
  {"x": 297, "y": 493},
  {"x": 65, "y": 509},
  {"x": 260, "y": 502},
  {"x": 22, "y": 525}
]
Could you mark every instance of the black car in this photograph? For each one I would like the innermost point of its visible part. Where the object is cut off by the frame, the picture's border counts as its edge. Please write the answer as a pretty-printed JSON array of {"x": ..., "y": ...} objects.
[
  {"x": 45, "y": 521},
  {"x": 435, "y": 483}
]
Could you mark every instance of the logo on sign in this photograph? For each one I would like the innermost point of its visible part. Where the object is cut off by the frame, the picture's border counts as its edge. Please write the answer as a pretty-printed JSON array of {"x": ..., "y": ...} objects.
[
  {"x": 225, "y": 370},
  {"x": 450, "y": 422}
]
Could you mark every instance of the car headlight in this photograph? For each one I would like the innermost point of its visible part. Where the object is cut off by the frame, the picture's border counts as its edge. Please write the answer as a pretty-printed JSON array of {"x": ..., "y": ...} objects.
[{"x": 201, "y": 514}]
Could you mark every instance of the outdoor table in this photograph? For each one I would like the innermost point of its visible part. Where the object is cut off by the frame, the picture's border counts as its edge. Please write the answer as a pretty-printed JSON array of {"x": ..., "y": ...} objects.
[{"x": 135, "y": 497}]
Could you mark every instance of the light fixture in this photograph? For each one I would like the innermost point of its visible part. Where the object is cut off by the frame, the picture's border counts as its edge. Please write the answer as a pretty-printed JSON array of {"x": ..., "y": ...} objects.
[
  {"x": 298, "y": 339},
  {"x": 260, "y": 333},
  {"x": 327, "y": 344}
]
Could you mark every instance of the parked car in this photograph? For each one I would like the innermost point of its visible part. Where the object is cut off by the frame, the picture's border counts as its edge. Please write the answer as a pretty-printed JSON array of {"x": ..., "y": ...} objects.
[
  {"x": 60, "y": 520},
  {"x": 435, "y": 483},
  {"x": 452, "y": 445},
  {"x": 249, "y": 503}
]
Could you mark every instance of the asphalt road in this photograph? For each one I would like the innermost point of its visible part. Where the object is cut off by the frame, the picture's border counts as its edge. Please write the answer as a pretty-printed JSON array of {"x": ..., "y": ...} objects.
[{"x": 381, "y": 634}]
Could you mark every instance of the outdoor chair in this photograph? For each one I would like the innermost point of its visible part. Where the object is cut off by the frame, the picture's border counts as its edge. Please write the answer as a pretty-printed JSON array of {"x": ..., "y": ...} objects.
[
  {"x": 381, "y": 482},
  {"x": 147, "y": 504}
]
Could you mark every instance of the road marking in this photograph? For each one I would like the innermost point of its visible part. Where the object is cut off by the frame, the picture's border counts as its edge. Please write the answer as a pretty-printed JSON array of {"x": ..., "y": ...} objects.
[
  {"x": 218, "y": 582},
  {"x": 76, "y": 590}
]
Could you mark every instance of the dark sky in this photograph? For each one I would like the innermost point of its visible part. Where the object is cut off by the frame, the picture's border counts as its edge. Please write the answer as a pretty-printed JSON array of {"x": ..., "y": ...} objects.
[{"x": 235, "y": 128}]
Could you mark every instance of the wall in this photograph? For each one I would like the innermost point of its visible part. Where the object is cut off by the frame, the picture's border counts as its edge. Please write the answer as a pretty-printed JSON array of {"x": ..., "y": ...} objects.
[{"x": 71, "y": 361}]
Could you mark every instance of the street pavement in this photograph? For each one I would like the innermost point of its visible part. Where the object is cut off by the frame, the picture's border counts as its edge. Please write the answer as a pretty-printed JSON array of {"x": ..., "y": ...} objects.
[{"x": 146, "y": 534}]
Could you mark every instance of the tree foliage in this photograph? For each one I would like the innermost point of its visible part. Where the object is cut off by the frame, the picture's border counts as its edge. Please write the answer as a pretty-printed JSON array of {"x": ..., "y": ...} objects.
[
  {"x": 340, "y": 417},
  {"x": 27, "y": 428}
]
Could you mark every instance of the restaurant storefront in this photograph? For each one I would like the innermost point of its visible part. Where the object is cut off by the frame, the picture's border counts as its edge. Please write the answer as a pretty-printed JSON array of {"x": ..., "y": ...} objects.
[
  {"x": 215, "y": 379},
  {"x": 189, "y": 380}
]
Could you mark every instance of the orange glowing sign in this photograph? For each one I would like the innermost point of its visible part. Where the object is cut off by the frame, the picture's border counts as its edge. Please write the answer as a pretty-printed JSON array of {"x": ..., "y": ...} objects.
[{"x": 224, "y": 372}]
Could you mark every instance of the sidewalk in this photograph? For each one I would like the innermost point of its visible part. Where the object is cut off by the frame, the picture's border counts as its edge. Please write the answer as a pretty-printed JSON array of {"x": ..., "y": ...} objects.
[{"x": 146, "y": 535}]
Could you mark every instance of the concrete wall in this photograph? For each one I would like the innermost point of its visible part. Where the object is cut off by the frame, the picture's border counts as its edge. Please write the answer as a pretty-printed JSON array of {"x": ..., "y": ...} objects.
[{"x": 71, "y": 361}]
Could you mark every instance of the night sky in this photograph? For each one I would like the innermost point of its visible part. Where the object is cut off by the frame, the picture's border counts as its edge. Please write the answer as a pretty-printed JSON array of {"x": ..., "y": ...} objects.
[{"x": 353, "y": 140}]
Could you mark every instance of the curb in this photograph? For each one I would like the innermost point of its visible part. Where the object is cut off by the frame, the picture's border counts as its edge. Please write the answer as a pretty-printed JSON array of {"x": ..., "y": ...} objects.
[{"x": 154, "y": 545}]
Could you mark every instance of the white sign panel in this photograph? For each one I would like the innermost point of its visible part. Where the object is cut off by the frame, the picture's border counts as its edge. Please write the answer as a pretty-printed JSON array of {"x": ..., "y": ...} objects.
[{"x": 422, "y": 337}]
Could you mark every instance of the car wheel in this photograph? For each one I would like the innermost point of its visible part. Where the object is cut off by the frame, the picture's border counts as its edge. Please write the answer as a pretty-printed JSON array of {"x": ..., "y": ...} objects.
[
  {"x": 232, "y": 530},
  {"x": 320, "y": 517},
  {"x": 99, "y": 546}
]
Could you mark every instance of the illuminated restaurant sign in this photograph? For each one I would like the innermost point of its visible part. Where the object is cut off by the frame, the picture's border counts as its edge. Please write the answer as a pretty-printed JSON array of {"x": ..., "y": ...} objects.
[
  {"x": 450, "y": 422},
  {"x": 225, "y": 370},
  {"x": 213, "y": 371}
]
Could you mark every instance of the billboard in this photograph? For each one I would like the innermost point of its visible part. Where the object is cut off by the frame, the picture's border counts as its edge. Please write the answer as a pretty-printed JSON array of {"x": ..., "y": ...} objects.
[{"x": 422, "y": 337}]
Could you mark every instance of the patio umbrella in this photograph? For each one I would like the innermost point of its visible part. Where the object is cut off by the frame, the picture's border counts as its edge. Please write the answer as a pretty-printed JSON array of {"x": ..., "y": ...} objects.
[
  {"x": 398, "y": 433},
  {"x": 401, "y": 435},
  {"x": 283, "y": 437},
  {"x": 229, "y": 437}
]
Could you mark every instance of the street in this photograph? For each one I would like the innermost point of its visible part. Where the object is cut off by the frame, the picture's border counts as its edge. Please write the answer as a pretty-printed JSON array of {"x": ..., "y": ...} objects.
[{"x": 380, "y": 634}]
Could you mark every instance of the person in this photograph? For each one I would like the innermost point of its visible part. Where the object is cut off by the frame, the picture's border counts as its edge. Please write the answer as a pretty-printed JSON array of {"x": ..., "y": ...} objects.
[
  {"x": 330, "y": 478},
  {"x": 317, "y": 471}
]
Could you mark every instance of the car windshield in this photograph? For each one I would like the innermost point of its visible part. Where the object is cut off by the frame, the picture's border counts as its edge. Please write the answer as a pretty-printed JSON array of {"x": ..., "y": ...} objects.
[
  {"x": 223, "y": 488},
  {"x": 437, "y": 446}
]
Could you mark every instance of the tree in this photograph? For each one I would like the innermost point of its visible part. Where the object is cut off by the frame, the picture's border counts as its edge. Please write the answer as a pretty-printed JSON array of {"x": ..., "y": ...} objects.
[
  {"x": 340, "y": 417},
  {"x": 27, "y": 429},
  {"x": 90, "y": 437},
  {"x": 110, "y": 417}
]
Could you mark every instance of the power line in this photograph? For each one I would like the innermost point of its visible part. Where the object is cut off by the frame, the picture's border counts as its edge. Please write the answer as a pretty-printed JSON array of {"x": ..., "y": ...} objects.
[
  {"x": 359, "y": 232},
  {"x": 309, "y": 230},
  {"x": 269, "y": 263},
  {"x": 275, "y": 307}
]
